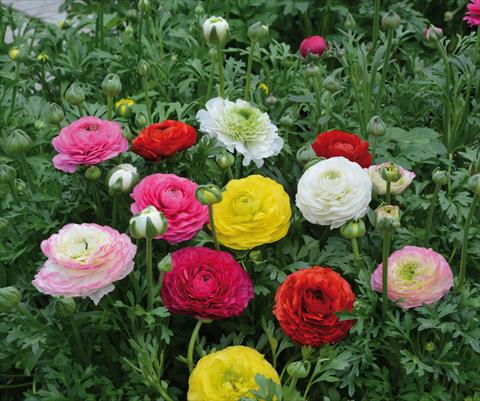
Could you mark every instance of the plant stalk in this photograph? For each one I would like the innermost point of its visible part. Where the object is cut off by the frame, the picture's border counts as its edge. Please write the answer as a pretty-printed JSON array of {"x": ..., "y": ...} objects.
[
  {"x": 466, "y": 229},
  {"x": 220, "y": 71},
  {"x": 191, "y": 344},
  {"x": 386, "y": 61},
  {"x": 249, "y": 70},
  {"x": 431, "y": 209},
  {"x": 213, "y": 229},
  {"x": 385, "y": 255},
  {"x": 148, "y": 261}
]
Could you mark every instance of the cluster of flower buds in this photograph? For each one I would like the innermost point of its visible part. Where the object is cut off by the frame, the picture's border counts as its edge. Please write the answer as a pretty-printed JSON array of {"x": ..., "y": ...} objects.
[{"x": 149, "y": 223}]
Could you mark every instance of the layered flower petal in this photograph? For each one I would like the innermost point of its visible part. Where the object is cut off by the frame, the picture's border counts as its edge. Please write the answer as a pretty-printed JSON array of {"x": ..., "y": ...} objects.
[
  {"x": 396, "y": 187},
  {"x": 472, "y": 16}
]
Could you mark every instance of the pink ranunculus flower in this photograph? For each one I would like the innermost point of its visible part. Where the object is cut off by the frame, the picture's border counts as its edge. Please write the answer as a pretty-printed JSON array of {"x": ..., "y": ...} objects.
[
  {"x": 84, "y": 260},
  {"x": 314, "y": 45},
  {"x": 416, "y": 276},
  {"x": 472, "y": 15},
  {"x": 174, "y": 196},
  {"x": 396, "y": 187},
  {"x": 87, "y": 141},
  {"x": 206, "y": 284}
]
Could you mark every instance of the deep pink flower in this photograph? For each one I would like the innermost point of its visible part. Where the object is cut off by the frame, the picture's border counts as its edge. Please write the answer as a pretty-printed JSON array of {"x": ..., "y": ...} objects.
[
  {"x": 472, "y": 15},
  {"x": 174, "y": 196},
  {"x": 206, "y": 284},
  {"x": 84, "y": 260},
  {"x": 313, "y": 45},
  {"x": 87, "y": 141}
]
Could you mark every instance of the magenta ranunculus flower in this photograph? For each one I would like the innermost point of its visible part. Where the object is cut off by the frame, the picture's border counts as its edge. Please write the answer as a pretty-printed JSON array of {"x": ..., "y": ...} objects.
[
  {"x": 174, "y": 196},
  {"x": 416, "y": 276},
  {"x": 315, "y": 45},
  {"x": 472, "y": 16},
  {"x": 206, "y": 284},
  {"x": 84, "y": 260},
  {"x": 87, "y": 141}
]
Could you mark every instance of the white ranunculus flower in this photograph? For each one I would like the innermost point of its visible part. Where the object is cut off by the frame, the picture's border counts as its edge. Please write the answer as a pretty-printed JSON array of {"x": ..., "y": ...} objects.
[
  {"x": 240, "y": 126},
  {"x": 334, "y": 191},
  {"x": 123, "y": 177},
  {"x": 215, "y": 30},
  {"x": 397, "y": 187}
]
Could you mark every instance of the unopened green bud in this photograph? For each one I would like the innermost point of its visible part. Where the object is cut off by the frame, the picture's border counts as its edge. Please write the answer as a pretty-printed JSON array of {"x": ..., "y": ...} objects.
[
  {"x": 391, "y": 20},
  {"x": 18, "y": 54},
  {"x": 39, "y": 124},
  {"x": 122, "y": 179},
  {"x": 127, "y": 133},
  {"x": 20, "y": 185},
  {"x": 387, "y": 218},
  {"x": 353, "y": 229},
  {"x": 111, "y": 85},
  {"x": 225, "y": 160},
  {"x": 199, "y": 9},
  {"x": 313, "y": 70},
  {"x": 93, "y": 173},
  {"x": 144, "y": 6},
  {"x": 165, "y": 265},
  {"x": 286, "y": 121},
  {"x": 55, "y": 114},
  {"x": 64, "y": 24},
  {"x": 298, "y": 369},
  {"x": 140, "y": 120},
  {"x": 448, "y": 16},
  {"x": 390, "y": 172},
  {"x": 305, "y": 155},
  {"x": 350, "y": 22},
  {"x": 332, "y": 84},
  {"x": 143, "y": 68},
  {"x": 429, "y": 347},
  {"x": 473, "y": 184},
  {"x": 257, "y": 32},
  {"x": 149, "y": 223},
  {"x": 376, "y": 126},
  {"x": 271, "y": 100},
  {"x": 42, "y": 57},
  {"x": 208, "y": 194},
  {"x": 65, "y": 307},
  {"x": 16, "y": 143},
  {"x": 75, "y": 95},
  {"x": 432, "y": 33},
  {"x": 440, "y": 177},
  {"x": 10, "y": 297},
  {"x": 7, "y": 174}
]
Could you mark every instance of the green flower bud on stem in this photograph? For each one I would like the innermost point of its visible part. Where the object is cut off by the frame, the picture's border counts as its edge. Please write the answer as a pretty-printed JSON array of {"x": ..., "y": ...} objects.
[
  {"x": 65, "y": 307},
  {"x": 75, "y": 95},
  {"x": 149, "y": 223},
  {"x": 18, "y": 54},
  {"x": 286, "y": 121},
  {"x": 257, "y": 32},
  {"x": 215, "y": 31},
  {"x": 350, "y": 22},
  {"x": 10, "y": 297},
  {"x": 440, "y": 177},
  {"x": 387, "y": 218},
  {"x": 140, "y": 120},
  {"x": 16, "y": 143},
  {"x": 55, "y": 114},
  {"x": 225, "y": 160},
  {"x": 390, "y": 172},
  {"x": 332, "y": 84},
  {"x": 271, "y": 100},
  {"x": 376, "y": 126},
  {"x": 353, "y": 229},
  {"x": 313, "y": 70},
  {"x": 143, "y": 68},
  {"x": 208, "y": 194},
  {"x": 391, "y": 21},
  {"x": 122, "y": 179},
  {"x": 305, "y": 155},
  {"x": 298, "y": 369},
  {"x": 7, "y": 174},
  {"x": 93, "y": 173},
  {"x": 111, "y": 85},
  {"x": 165, "y": 265}
]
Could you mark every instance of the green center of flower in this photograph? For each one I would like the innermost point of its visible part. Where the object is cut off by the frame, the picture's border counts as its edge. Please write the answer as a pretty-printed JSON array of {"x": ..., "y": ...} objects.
[
  {"x": 408, "y": 271},
  {"x": 332, "y": 175},
  {"x": 245, "y": 204},
  {"x": 215, "y": 19},
  {"x": 245, "y": 124}
]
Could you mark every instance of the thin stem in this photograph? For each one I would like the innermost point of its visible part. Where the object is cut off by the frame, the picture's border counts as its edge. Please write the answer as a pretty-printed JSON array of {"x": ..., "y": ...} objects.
[
  {"x": 148, "y": 249},
  {"x": 230, "y": 173},
  {"x": 356, "y": 252},
  {"x": 191, "y": 344},
  {"x": 147, "y": 100},
  {"x": 374, "y": 147},
  {"x": 220, "y": 71},
  {"x": 212, "y": 227},
  {"x": 447, "y": 108},
  {"x": 388, "y": 193},
  {"x": 210, "y": 81},
  {"x": 386, "y": 61},
  {"x": 318, "y": 96},
  {"x": 385, "y": 255},
  {"x": 140, "y": 27},
  {"x": 466, "y": 229},
  {"x": 431, "y": 209},
  {"x": 249, "y": 70},
  {"x": 81, "y": 110},
  {"x": 14, "y": 89},
  {"x": 376, "y": 23},
  {"x": 6, "y": 386},
  {"x": 109, "y": 108},
  {"x": 114, "y": 211},
  {"x": 163, "y": 393}
]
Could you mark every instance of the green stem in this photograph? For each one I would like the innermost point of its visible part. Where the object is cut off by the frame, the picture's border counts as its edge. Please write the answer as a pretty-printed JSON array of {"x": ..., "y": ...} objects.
[
  {"x": 140, "y": 27},
  {"x": 147, "y": 100},
  {"x": 78, "y": 340},
  {"x": 163, "y": 393},
  {"x": 386, "y": 61},
  {"x": 431, "y": 209},
  {"x": 191, "y": 344},
  {"x": 469, "y": 82},
  {"x": 14, "y": 89},
  {"x": 376, "y": 23},
  {"x": 356, "y": 252},
  {"x": 26, "y": 171},
  {"x": 212, "y": 227},
  {"x": 230, "y": 173},
  {"x": 388, "y": 193},
  {"x": 447, "y": 104},
  {"x": 318, "y": 96},
  {"x": 81, "y": 110},
  {"x": 148, "y": 249},
  {"x": 210, "y": 81},
  {"x": 109, "y": 108},
  {"x": 101, "y": 24},
  {"x": 249, "y": 70},
  {"x": 374, "y": 148},
  {"x": 220, "y": 71},
  {"x": 7, "y": 386},
  {"x": 293, "y": 384},
  {"x": 385, "y": 255},
  {"x": 466, "y": 229}
]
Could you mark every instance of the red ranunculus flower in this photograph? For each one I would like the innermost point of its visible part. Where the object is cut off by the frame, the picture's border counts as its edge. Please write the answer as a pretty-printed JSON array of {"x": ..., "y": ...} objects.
[
  {"x": 338, "y": 143},
  {"x": 314, "y": 44},
  {"x": 164, "y": 140},
  {"x": 306, "y": 302},
  {"x": 206, "y": 284}
]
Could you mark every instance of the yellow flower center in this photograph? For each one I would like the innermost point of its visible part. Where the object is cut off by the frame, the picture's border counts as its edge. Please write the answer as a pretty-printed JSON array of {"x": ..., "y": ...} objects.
[
  {"x": 409, "y": 270},
  {"x": 245, "y": 204}
]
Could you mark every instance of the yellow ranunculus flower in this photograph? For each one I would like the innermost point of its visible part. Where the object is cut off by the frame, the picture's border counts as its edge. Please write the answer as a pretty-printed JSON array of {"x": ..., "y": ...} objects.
[
  {"x": 254, "y": 210},
  {"x": 123, "y": 106},
  {"x": 228, "y": 375}
]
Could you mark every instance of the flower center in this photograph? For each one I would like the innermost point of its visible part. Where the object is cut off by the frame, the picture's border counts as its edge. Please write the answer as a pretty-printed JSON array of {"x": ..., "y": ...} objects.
[
  {"x": 408, "y": 271},
  {"x": 245, "y": 124},
  {"x": 344, "y": 147},
  {"x": 245, "y": 204}
]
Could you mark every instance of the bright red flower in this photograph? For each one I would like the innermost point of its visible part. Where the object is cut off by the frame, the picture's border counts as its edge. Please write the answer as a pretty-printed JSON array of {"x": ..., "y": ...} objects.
[
  {"x": 164, "y": 140},
  {"x": 206, "y": 284},
  {"x": 314, "y": 44},
  {"x": 338, "y": 143},
  {"x": 306, "y": 304}
]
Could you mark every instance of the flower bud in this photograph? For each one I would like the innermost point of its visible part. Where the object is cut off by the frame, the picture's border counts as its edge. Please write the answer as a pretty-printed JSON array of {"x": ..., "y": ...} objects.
[
  {"x": 448, "y": 16},
  {"x": 286, "y": 121},
  {"x": 391, "y": 20},
  {"x": 419, "y": 66},
  {"x": 165, "y": 265},
  {"x": 225, "y": 160},
  {"x": 473, "y": 184},
  {"x": 16, "y": 143},
  {"x": 65, "y": 307},
  {"x": 376, "y": 126},
  {"x": 350, "y": 22},
  {"x": 387, "y": 218},
  {"x": 42, "y": 57},
  {"x": 332, "y": 84},
  {"x": 298, "y": 369},
  {"x": 199, "y": 9},
  {"x": 390, "y": 172},
  {"x": 64, "y": 24},
  {"x": 74, "y": 95},
  {"x": 55, "y": 114},
  {"x": 9, "y": 298},
  {"x": 143, "y": 68},
  {"x": 271, "y": 100},
  {"x": 149, "y": 223},
  {"x": 215, "y": 30},
  {"x": 313, "y": 70},
  {"x": 7, "y": 174},
  {"x": 93, "y": 173},
  {"x": 208, "y": 194},
  {"x": 305, "y": 155},
  {"x": 124, "y": 107},
  {"x": 353, "y": 229},
  {"x": 20, "y": 185},
  {"x": 144, "y": 6},
  {"x": 140, "y": 120},
  {"x": 127, "y": 133},
  {"x": 257, "y": 32},
  {"x": 432, "y": 33},
  {"x": 440, "y": 177},
  {"x": 18, "y": 54},
  {"x": 122, "y": 179},
  {"x": 39, "y": 124},
  {"x": 429, "y": 347},
  {"x": 111, "y": 85}
]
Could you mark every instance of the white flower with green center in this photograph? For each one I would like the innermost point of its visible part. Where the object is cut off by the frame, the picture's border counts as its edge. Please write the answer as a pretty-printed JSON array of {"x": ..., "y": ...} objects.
[{"x": 240, "y": 126}]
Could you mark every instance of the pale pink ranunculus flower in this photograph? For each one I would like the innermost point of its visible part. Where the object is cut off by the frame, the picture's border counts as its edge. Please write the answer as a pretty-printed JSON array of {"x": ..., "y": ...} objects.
[
  {"x": 84, "y": 260},
  {"x": 87, "y": 141},
  {"x": 416, "y": 276},
  {"x": 174, "y": 196},
  {"x": 397, "y": 187},
  {"x": 472, "y": 16}
]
